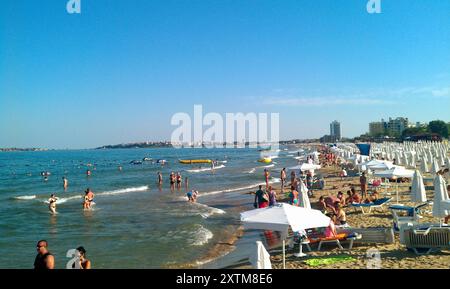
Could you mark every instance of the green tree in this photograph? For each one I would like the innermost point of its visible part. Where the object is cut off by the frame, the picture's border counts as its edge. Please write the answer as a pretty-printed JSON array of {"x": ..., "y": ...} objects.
[
  {"x": 413, "y": 131},
  {"x": 439, "y": 127}
]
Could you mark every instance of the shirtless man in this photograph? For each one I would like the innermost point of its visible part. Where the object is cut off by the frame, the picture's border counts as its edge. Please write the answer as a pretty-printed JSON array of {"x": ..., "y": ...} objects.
[
  {"x": 44, "y": 259},
  {"x": 52, "y": 204},
  {"x": 266, "y": 176},
  {"x": 283, "y": 178},
  {"x": 65, "y": 183}
]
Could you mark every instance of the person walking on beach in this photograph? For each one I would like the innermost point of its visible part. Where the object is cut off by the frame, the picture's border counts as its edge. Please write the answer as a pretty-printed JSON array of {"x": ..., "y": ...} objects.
[
  {"x": 52, "y": 204},
  {"x": 266, "y": 176},
  {"x": 261, "y": 198},
  {"x": 272, "y": 197},
  {"x": 293, "y": 197},
  {"x": 65, "y": 183},
  {"x": 283, "y": 178},
  {"x": 292, "y": 177},
  {"x": 363, "y": 183},
  {"x": 44, "y": 259}
]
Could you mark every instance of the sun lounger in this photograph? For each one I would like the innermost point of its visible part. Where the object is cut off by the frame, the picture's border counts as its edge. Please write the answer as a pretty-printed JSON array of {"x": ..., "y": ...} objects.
[
  {"x": 371, "y": 235},
  {"x": 413, "y": 214},
  {"x": 337, "y": 239},
  {"x": 369, "y": 206},
  {"x": 424, "y": 239}
]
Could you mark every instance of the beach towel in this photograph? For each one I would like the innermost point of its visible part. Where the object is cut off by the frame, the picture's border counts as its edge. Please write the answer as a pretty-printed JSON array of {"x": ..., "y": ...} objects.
[{"x": 316, "y": 262}]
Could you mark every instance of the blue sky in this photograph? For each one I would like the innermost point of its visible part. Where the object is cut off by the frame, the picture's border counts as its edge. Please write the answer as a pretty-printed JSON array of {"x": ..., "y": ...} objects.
[{"x": 119, "y": 71}]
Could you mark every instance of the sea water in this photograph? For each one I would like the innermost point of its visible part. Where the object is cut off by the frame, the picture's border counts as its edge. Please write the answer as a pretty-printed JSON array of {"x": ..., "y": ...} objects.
[{"x": 134, "y": 223}]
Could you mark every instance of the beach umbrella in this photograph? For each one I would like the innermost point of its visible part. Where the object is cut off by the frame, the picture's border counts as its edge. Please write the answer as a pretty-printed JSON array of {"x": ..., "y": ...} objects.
[
  {"x": 418, "y": 192},
  {"x": 281, "y": 217},
  {"x": 424, "y": 167},
  {"x": 447, "y": 163},
  {"x": 261, "y": 258},
  {"x": 381, "y": 166},
  {"x": 434, "y": 167},
  {"x": 413, "y": 161},
  {"x": 305, "y": 167},
  {"x": 394, "y": 173},
  {"x": 442, "y": 160},
  {"x": 303, "y": 196},
  {"x": 440, "y": 202}
]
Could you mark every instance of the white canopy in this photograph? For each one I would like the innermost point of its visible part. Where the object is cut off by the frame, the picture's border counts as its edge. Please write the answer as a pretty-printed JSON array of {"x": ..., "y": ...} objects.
[
  {"x": 280, "y": 217},
  {"x": 441, "y": 199},
  {"x": 418, "y": 193},
  {"x": 306, "y": 167},
  {"x": 399, "y": 172}
]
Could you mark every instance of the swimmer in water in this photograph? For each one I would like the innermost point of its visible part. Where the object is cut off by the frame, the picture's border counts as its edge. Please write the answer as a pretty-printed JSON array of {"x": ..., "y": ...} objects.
[
  {"x": 52, "y": 203},
  {"x": 88, "y": 173}
]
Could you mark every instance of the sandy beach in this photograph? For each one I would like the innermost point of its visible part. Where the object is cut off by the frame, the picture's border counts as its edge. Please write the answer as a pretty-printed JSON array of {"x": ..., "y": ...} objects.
[{"x": 393, "y": 256}]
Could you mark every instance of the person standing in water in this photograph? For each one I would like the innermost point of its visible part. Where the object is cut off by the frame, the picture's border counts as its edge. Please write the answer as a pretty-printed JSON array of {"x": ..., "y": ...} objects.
[
  {"x": 88, "y": 173},
  {"x": 44, "y": 259},
  {"x": 88, "y": 199},
  {"x": 283, "y": 178},
  {"x": 160, "y": 178},
  {"x": 65, "y": 183},
  {"x": 266, "y": 176},
  {"x": 179, "y": 180},
  {"x": 52, "y": 203},
  {"x": 172, "y": 181}
]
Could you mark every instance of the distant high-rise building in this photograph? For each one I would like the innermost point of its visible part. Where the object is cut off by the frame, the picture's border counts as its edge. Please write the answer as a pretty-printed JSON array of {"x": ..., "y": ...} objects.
[
  {"x": 335, "y": 129},
  {"x": 397, "y": 125},
  {"x": 377, "y": 128}
]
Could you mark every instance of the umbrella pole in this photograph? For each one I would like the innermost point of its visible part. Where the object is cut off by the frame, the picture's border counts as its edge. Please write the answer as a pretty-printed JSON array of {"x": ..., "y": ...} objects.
[{"x": 284, "y": 254}]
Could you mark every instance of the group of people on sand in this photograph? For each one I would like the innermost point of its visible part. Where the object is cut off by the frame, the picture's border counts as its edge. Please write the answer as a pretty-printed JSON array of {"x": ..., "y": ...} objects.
[
  {"x": 265, "y": 198},
  {"x": 45, "y": 260}
]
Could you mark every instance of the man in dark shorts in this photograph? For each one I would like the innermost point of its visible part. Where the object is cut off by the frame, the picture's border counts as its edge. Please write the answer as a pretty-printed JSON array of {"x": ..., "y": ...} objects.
[
  {"x": 44, "y": 259},
  {"x": 261, "y": 198}
]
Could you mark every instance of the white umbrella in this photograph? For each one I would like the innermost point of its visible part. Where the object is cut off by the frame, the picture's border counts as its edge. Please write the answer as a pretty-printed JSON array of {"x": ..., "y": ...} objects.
[
  {"x": 261, "y": 258},
  {"x": 280, "y": 217},
  {"x": 435, "y": 167},
  {"x": 305, "y": 167},
  {"x": 418, "y": 192},
  {"x": 396, "y": 172},
  {"x": 381, "y": 166},
  {"x": 303, "y": 196},
  {"x": 440, "y": 209}
]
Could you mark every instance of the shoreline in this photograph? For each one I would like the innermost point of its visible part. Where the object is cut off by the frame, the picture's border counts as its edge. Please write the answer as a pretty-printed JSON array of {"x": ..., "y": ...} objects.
[{"x": 393, "y": 256}]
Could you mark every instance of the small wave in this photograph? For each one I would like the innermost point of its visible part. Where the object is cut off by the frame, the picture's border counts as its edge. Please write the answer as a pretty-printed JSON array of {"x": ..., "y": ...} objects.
[
  {"x": 252, "y": 171},
  {"x": 25, "y": 197},
  {"x": 272, "y": 180},
  {"x": 269, "y": 166},
  {"x": 123, "y": 191},
  {"x": 202, "y": 236},
  {"x": 205, "y": 169},
  {"x": 64, "y": 200},
  {"x": 211, "y": 210}
]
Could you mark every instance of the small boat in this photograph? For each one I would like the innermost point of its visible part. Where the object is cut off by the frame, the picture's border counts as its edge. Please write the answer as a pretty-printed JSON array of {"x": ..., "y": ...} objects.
[
  {"x": 265, "y": 160},
  {"x": 147, "y": 159},
  {"x": 161, "y": 161},
  {"x": 188, "y": 162}
]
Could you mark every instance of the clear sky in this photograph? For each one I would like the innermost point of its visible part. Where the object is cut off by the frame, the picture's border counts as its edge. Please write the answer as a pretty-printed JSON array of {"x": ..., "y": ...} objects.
[{"x": 119, "y": 71}]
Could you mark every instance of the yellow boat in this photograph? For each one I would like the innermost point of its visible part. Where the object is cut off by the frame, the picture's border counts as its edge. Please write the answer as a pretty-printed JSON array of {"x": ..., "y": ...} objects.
[
  {"x": 188, "y": 162},
  {"x": 265, "y": 160}
]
